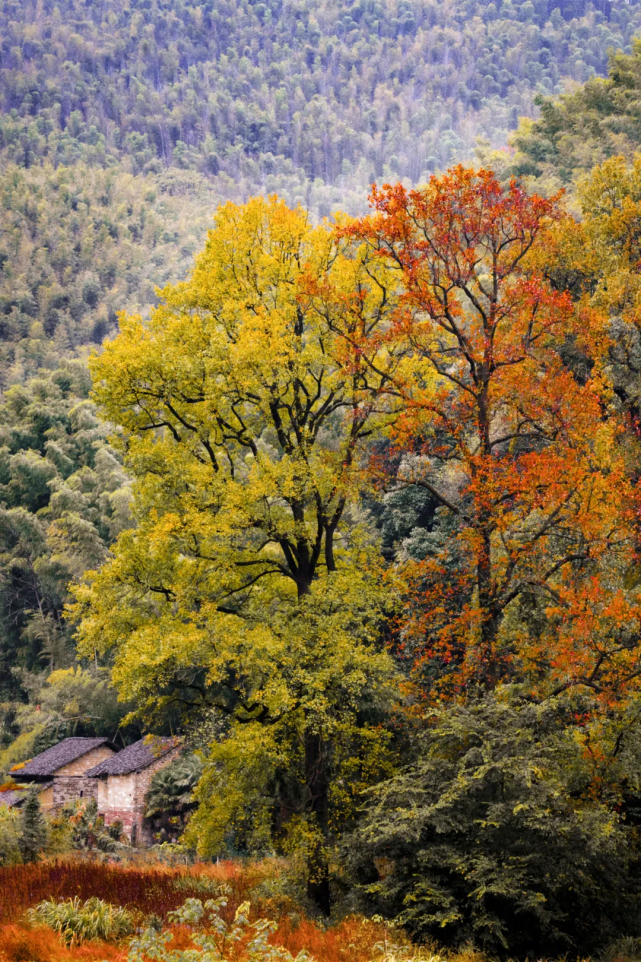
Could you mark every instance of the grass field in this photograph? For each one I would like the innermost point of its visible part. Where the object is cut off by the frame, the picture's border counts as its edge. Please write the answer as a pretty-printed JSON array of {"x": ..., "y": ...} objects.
[{"x": 157, "y": 890}]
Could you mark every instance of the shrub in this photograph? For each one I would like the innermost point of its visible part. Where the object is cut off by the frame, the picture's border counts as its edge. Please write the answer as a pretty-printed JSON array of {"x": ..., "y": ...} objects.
[
  {"x": 76, "y": 921},
  {"x": 170, "y": 797},
  {"x": 215, "y": 939},
  {"x": 88, "y": 830},
  {"x": 9, "y": 837},
  {"x": 478, "y": 840}
]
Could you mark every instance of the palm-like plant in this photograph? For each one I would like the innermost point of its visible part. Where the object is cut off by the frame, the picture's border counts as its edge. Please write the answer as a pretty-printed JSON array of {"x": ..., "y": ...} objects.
[
  {"x": 88, "y": 829},
  {"x": 170, "y": 796}
]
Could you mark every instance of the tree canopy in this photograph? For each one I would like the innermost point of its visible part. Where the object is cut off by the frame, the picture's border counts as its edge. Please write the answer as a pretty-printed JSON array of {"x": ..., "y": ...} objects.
[
  {"x": 580, "y": 129},
  {"x": 306, "y": 385},
  {"x": 249, "y": 584}
]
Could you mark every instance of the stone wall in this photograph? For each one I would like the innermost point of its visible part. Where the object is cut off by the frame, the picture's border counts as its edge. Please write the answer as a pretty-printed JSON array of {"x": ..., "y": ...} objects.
[
  {"x": 69, "y": 782},
  {"x": 122, "y": 798},
  {"x": 102, "y": 794},
  {"x": 66, "y": 789}
]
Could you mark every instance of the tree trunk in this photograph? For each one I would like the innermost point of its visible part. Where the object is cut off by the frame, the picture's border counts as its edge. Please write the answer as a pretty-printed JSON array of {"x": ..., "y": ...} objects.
[
  {"x": 489, "y": 621},
  {"x": 317, "y": 783}
]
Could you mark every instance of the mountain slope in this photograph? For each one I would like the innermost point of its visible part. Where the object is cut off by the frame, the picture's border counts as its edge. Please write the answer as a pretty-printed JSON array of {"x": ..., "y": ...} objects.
[
  {"x": 78, "y": 244},
  {"x": 332, "y": 90}
]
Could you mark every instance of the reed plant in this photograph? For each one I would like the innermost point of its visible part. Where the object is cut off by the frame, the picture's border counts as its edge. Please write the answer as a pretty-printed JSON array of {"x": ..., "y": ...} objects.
[
  {"x": 76, "y": 921},
  {"x": 148, "y": 888}
]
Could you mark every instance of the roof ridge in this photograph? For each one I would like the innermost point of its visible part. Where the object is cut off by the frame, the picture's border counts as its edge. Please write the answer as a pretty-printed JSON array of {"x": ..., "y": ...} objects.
[{"x": 136, "y": 756}]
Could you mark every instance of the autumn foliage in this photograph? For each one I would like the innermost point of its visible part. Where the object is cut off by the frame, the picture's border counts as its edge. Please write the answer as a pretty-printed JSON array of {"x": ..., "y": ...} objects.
[
  {"x": 507, "y": 439},
  {"x": 272, "y": 411}
]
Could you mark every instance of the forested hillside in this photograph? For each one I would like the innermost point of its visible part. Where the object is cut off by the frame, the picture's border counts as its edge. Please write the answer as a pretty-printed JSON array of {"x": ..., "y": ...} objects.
[
  {"x": 79, "y": 244},
  {"x": 187, "y": 104},
  {"x": 282, "y": 93},
  {"x": 347, "y": 497},
  {"x": 580, "y": 129}
]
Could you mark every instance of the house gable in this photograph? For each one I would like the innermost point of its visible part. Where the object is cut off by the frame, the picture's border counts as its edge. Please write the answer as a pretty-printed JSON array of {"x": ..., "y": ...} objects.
[
  {"x": 89, "y": 760},
  {"x": 123, "y": 783}
]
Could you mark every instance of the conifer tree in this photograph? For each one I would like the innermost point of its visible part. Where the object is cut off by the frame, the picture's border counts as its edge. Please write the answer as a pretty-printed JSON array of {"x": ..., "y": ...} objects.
[{"x": 33, "y": 835}]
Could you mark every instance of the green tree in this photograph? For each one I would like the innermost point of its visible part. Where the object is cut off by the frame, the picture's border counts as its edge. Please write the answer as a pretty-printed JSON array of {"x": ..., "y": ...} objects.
[
  {"x": 249, "y": 585},
  {"x": 33, "y": 828},
  {"x": 482, "y": 837},
  {"x": 583, "y": 128},
  {"x": 63, "y": 498}
]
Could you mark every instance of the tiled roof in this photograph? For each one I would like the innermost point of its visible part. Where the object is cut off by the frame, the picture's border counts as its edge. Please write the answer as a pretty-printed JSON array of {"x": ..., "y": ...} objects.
[
  {"x": 54, "y": 758},
  {"x": 136, "y": 757},
  {"x": 14, "y": 796}
]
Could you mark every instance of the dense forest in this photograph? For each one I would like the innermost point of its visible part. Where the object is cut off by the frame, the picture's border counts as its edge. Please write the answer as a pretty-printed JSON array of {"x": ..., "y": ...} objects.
[
  {"x": 320, "y": 446},
  {"x": 580, "y": 129},
  {"x": 275, "y": 91},
  {"x": 122, "y": 126}
]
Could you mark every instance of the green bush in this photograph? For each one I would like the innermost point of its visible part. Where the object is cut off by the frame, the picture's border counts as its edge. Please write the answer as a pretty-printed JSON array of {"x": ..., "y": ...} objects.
[
  {"x": 9, "y": 837},
  {"x": 170, "y": 801},
  {"x": 480, "y": 841},
  {"x": 77, "y": 921}
]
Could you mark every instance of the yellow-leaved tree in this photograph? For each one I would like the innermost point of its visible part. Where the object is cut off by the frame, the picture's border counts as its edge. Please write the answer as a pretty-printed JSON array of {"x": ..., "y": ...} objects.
[{"x": 249, "y": 584}]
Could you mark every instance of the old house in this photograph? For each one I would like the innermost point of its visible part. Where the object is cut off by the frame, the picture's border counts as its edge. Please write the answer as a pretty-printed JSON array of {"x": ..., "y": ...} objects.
[
  {"x": 78, "y": 768},
  {"x": 124, "y": 779},
  {"x": 60, "y": 773}
]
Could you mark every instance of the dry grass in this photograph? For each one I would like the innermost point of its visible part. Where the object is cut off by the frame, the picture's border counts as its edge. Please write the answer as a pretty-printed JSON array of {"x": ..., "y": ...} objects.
[
  {"x": 353, "y": 940},
  {"x": 350, "y": 941},
  {"x": 157, "y": 889},
  {"x": 20, "y": 943},
  {"x": 150, "y": 889}
]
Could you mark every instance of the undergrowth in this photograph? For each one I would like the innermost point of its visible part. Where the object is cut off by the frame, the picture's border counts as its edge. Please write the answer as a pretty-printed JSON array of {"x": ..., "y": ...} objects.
[
  {"x": 214, "y": 939},
  {"x": 154, "y": 889},
  {"x": 150, "y": 894},
  {"x": 76, "y": 921}
]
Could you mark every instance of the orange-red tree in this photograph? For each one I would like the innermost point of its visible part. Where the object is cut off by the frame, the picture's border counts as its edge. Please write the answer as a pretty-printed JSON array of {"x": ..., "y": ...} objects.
[{"x": 506, "y": 438}]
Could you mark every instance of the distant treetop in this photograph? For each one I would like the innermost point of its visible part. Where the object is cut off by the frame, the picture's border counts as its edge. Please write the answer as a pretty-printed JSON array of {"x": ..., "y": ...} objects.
[{"x": 583, "y": 128}]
